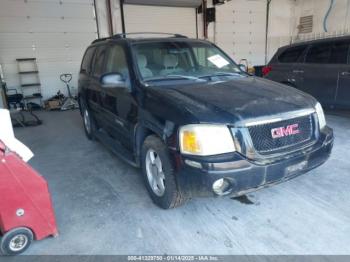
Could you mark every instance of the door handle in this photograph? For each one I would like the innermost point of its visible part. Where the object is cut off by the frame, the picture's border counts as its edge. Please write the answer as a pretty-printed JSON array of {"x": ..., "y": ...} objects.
[
  {"x": 345, "y": 73},
  {"x": 298, "y": 71}
]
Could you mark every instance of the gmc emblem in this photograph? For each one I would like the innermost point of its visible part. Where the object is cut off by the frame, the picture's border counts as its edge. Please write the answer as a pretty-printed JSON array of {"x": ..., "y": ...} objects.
[{"x": 285, "y": 131}]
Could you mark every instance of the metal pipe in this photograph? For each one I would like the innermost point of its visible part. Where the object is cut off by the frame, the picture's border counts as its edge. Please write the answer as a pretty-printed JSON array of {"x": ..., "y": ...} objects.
[
  {"x": 121, "y": 3},
  {"x": 346, "y": 16},
  {"x": 205, "y": 23},
  {"x": 196, "y": 12},
  {"x": 97, "y": 27},
  {"x": 109, "y": 13},
  {"x": 267, "y": 27},
  {"x": 327, "y": 15}
]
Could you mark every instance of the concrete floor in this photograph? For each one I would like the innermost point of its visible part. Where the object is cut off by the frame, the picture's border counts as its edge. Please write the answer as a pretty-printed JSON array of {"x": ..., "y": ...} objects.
[{"x": 102, "y": 206}]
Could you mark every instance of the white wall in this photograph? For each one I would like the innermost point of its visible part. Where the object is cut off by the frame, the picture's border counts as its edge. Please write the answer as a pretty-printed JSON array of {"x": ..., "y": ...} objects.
[
  {"x": 147, "y": 18},
  {"x": 54, "y": 32},
  {"x": 338, "y": 22},
  {"x": 57, "y": 32},
  {"x": 281, "y": 25},
  {"x": 102, "y": 18},
  {"x": 285, "y": 15},
  {"x": 240, "y": 29},
  {"x": 140, "y": 18}
]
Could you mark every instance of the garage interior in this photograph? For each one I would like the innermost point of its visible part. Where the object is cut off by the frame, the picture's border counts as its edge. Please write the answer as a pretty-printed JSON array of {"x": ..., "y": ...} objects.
[{"x": 100, "y": 202}]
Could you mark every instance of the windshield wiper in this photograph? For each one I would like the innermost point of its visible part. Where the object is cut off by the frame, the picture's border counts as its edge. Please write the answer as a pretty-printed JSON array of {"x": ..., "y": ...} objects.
[
  {"x": 222, "y": 74},
  {"x": 172, "y": 77}
]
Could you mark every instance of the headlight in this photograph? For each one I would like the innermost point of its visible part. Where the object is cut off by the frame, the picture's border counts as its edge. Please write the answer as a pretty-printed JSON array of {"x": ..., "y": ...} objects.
[
  {"x": 320, "y": 115},
  {"x": 206, "y": 140}
]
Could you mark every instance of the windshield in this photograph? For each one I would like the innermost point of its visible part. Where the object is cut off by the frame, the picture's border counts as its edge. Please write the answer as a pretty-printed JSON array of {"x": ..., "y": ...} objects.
[{"x": 185, "y": 61}]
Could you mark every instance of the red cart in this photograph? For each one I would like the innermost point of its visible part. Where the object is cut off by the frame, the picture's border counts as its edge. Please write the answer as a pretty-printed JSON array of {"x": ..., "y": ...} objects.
[{"x": 26, "y": 211}]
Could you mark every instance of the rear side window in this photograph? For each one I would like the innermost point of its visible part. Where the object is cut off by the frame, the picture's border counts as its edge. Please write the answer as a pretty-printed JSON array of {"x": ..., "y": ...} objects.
[
  {"x": 339, "y": 54},
  {"x": 291, "y": 55},
  {"x": 98, "y": 64},
  {"x": 329, "y": 53},
  {"x": 86, "y": 64},
  {"x": 319, "y": 54}
]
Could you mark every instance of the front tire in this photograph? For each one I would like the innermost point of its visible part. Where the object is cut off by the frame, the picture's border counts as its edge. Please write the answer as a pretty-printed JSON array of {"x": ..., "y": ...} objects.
[
  {"x": 16, "y": 241},
  {"x": 158, "y": 174}
]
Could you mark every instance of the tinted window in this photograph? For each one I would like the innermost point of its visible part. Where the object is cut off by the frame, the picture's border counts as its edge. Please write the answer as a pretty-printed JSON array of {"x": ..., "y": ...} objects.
[
  {"x": 185, "y": 59},
  {"x": 339, "y": 53},
  {"x": 98, "y": 64},
  {"x": 291, "y": 55},
  {"x": 116, "y": 61},
  {"x": 86, "y": 64},
  {"x": 319, "y": 54}
]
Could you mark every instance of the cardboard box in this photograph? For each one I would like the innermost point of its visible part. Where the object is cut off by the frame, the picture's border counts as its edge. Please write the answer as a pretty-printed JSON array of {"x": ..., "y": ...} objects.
[{"x": 53, "y": 104}]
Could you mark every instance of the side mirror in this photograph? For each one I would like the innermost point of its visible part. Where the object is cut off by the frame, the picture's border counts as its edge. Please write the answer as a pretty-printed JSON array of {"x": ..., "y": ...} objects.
[
  {"x": 112, "y": 80},
  {"x": 243, "y": 67}
]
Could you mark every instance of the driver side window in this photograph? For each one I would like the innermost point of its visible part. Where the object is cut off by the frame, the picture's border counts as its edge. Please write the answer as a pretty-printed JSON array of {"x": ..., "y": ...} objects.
[{"x": 116, "y": 62}]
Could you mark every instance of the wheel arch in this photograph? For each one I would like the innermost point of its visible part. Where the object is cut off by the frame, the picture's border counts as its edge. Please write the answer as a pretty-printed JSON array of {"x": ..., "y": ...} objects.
[
  {"x": 141, "y": 133},
  {"x": 144, "y": 129}
]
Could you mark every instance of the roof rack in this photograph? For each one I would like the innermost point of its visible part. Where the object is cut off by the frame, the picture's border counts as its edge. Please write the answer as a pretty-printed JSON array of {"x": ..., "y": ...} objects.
[
  {"x": 124, "y": 35},
  {"x": 147, "y": 33},
  {"x": 100, "y": 39}
]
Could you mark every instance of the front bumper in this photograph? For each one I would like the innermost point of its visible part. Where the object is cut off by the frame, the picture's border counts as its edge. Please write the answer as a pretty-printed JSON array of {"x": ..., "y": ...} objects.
[{"x": 247, "y": 175}]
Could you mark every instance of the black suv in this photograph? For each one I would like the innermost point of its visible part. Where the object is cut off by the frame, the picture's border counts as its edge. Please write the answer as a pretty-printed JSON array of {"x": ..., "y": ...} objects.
[
  {"x": 320, "y": 68},
  {"x": 194, "y": 121}
]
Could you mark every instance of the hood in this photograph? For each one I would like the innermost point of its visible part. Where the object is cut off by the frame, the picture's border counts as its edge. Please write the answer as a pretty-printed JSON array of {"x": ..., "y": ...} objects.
[{"x": 235, "y": 100}]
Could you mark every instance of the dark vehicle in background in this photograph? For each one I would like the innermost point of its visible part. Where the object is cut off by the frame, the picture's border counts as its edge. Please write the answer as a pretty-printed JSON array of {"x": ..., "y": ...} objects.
[
  {"x": 195, "y": 123},
  {"x": 320, "y": 68}
]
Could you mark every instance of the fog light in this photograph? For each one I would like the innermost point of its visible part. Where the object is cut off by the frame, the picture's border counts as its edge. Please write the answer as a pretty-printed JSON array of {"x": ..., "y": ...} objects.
[
  {"x": 193, "y": 163},
  {"x": 222, "y": 187}
]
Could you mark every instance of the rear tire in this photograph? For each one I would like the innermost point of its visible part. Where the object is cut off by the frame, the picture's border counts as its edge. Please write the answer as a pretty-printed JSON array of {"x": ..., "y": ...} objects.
[
  {"x": 88, "y": 121},
  {"x": 16, "y": 241},
  {"x": 163, "y": 188}
]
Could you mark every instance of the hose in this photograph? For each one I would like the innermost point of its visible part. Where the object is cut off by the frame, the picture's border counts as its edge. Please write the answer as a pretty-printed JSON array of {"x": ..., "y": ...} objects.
[{"x": 326, "y": 16}]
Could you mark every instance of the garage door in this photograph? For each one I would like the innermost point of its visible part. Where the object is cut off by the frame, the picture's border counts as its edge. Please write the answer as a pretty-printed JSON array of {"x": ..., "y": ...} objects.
[
  {"x": 240, "y": 30},
  {"x": 56, "y": 33},
  {"x": 142, "y": 18}
]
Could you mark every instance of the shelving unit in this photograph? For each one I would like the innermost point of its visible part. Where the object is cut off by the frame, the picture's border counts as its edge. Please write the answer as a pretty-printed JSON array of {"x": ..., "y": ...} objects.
[{"x": 29, "y": 80}]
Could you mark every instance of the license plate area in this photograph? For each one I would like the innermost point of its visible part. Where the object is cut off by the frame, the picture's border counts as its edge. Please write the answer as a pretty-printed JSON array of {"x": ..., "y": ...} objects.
[{"x": 293, "y": 169}]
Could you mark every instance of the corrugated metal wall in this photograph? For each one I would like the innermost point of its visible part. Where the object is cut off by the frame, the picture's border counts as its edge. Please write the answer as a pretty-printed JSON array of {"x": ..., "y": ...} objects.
[
  {"x": 55, "y": 32},
  {"x": 240, "y": 29},
  {"x": 142, "y": 18}
]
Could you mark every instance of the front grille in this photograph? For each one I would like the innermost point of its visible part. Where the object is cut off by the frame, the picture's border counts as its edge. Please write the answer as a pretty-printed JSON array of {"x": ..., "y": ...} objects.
[{"x": 264, "y": 143}]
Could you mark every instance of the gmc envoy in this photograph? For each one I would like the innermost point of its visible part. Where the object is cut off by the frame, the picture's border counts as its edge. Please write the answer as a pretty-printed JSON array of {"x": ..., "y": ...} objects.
[{"x": 194, "y": 121}]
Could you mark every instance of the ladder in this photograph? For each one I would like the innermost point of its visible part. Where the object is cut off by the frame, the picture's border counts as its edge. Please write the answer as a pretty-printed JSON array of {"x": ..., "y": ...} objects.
[{"x": 29, "y": 81}]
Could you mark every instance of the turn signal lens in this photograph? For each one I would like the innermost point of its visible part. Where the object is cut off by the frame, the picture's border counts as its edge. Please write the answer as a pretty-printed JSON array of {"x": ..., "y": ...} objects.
[
  {"x": 205, "y": 140},
  {"x": 190, "y": 143}
]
